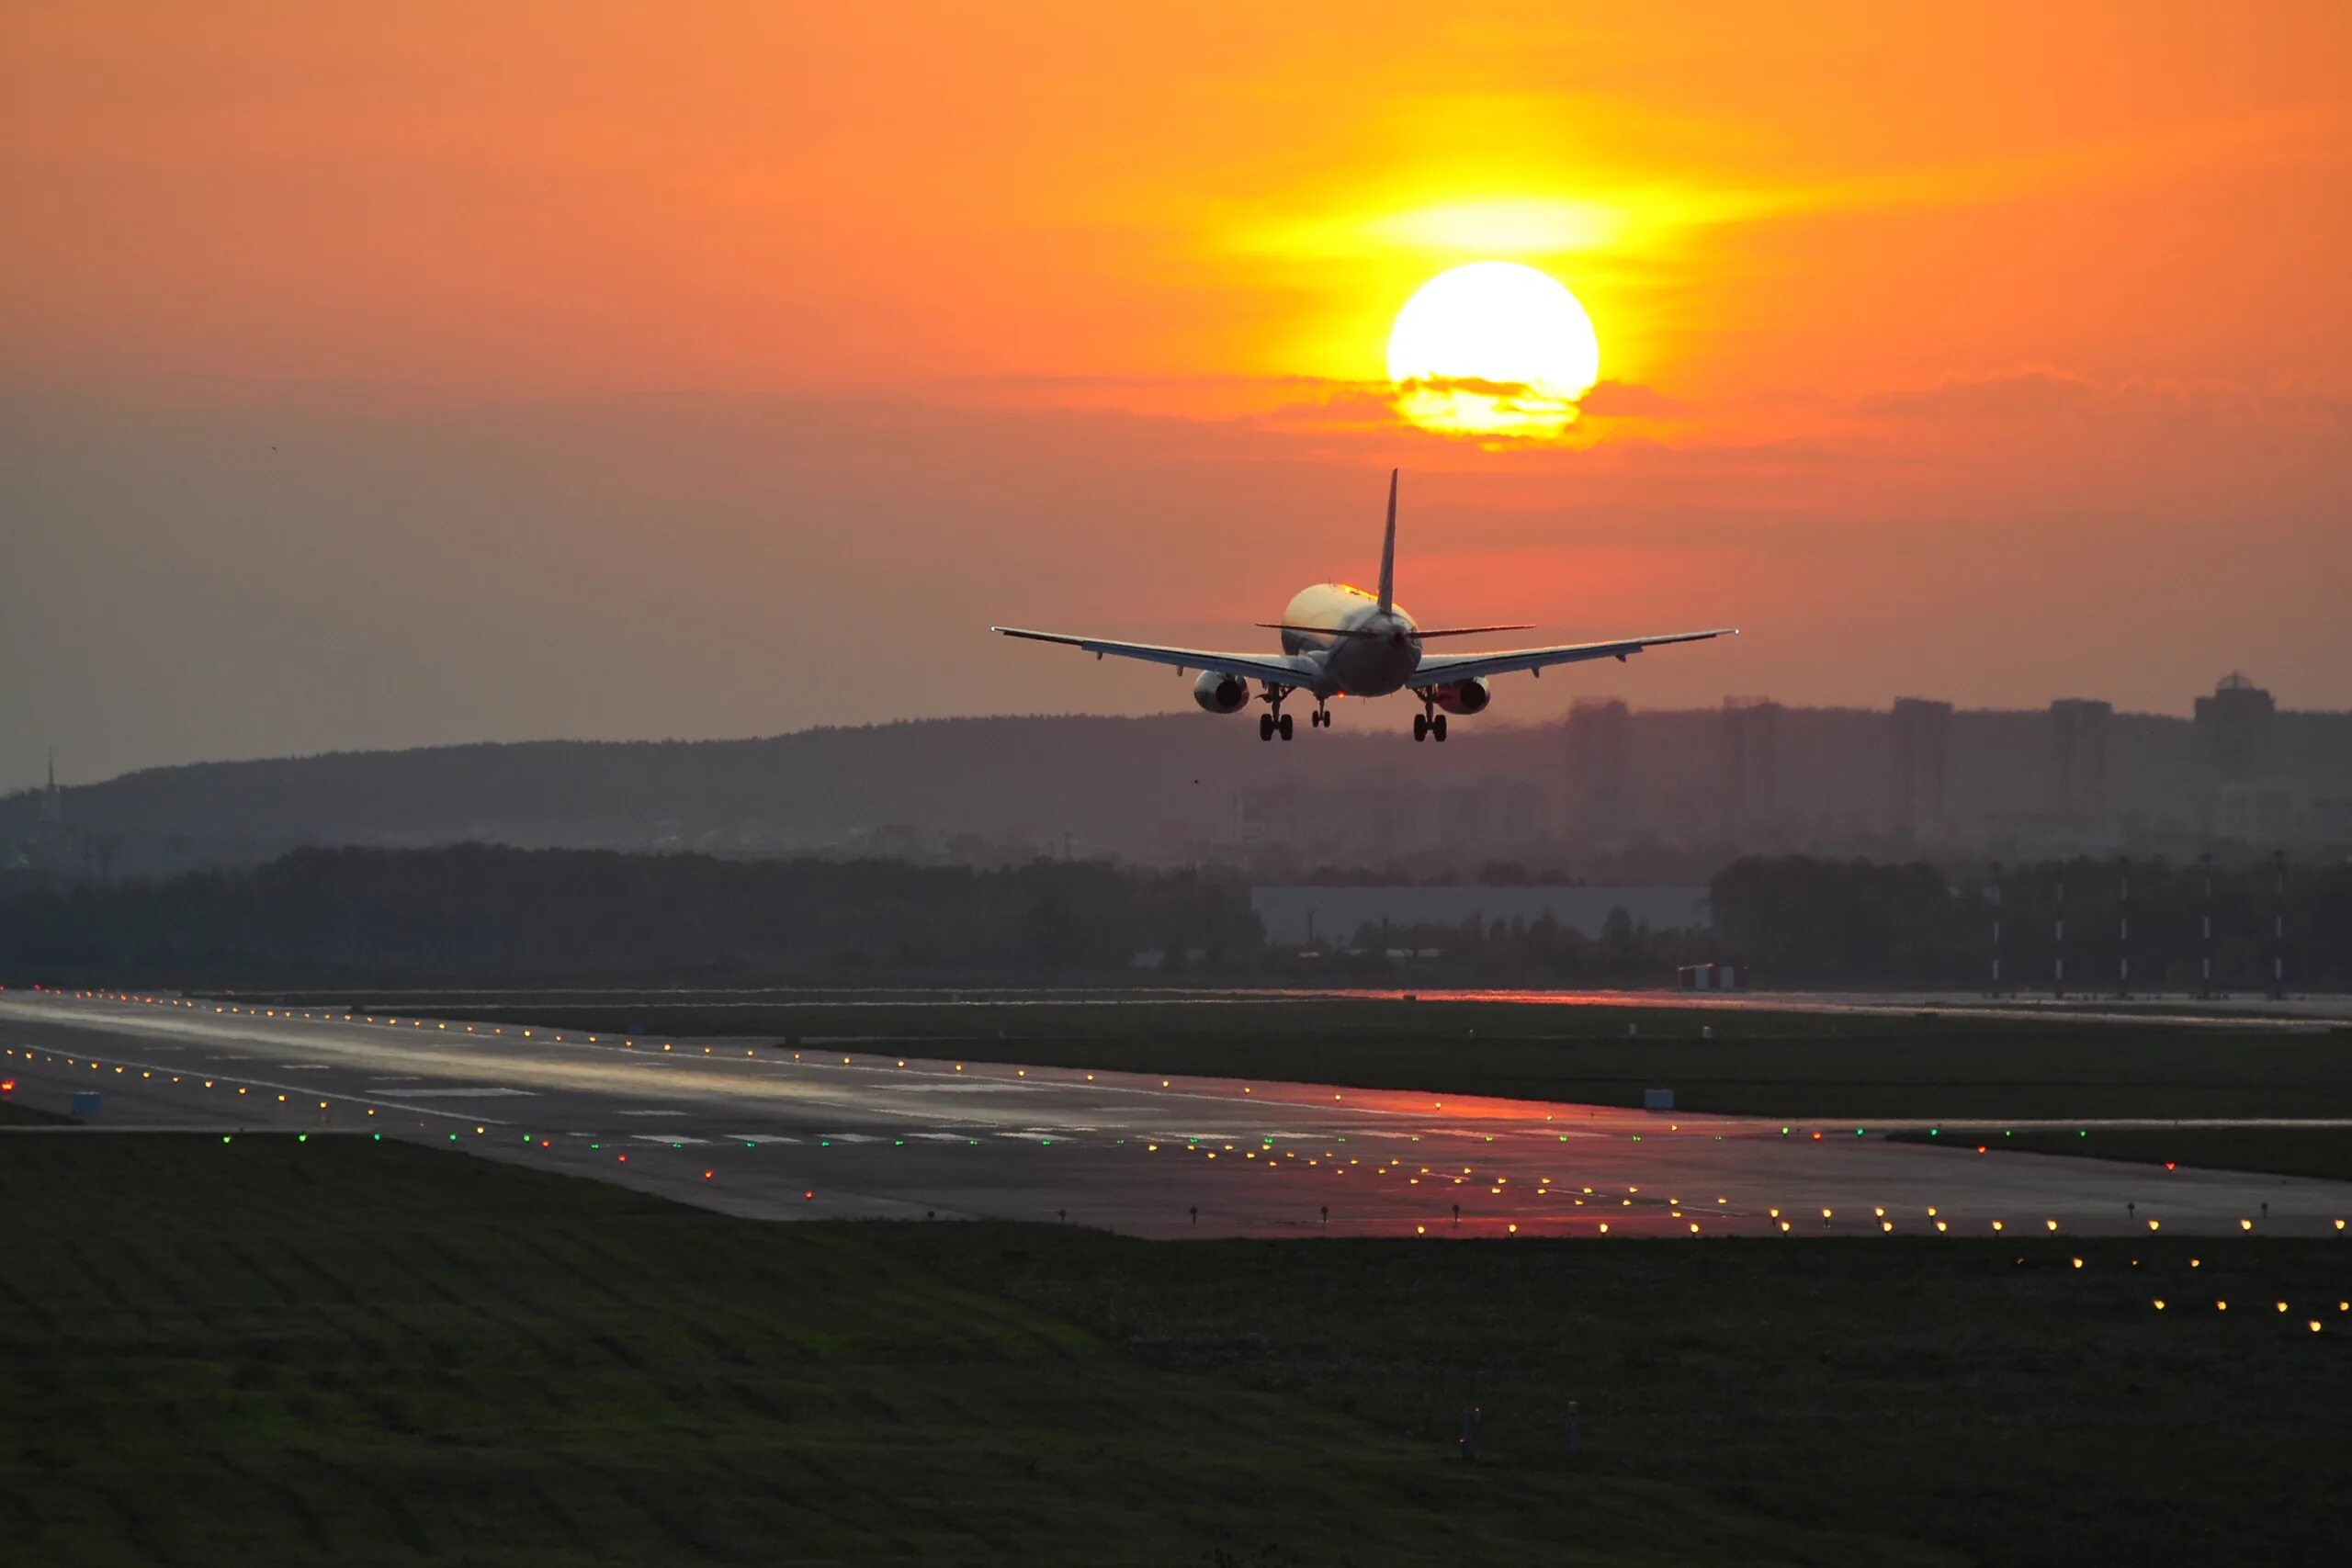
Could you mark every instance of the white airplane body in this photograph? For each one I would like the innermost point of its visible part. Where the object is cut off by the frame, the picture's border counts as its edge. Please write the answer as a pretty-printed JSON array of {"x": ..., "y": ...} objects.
[{"x": 1338, "y": 641}]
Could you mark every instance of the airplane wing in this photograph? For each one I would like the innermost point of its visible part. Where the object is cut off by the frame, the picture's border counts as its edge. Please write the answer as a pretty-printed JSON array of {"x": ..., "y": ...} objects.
[
  {"x": 1283, "y": 668},
  {"x": 1470, "y": 666}
]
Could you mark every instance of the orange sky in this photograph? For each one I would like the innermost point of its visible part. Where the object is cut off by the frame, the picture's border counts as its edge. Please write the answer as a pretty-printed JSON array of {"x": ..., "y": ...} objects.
[{"x": 1987, "y": 352}]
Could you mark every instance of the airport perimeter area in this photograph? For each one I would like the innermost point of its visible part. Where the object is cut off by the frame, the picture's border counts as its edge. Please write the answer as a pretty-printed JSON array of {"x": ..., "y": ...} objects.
[{"x": 270, "y": 1316}]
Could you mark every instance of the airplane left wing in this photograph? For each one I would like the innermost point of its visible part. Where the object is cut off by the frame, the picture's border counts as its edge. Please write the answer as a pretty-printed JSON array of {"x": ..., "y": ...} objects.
[
  {"x": 1283, "y": 668},
  {"x": 1471, "y": 666}
]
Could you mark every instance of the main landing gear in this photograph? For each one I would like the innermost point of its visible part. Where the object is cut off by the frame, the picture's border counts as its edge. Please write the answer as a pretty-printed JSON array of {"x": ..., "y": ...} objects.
[
  {"x": 1274, "y": 721},
  {"x": 1429, "y": 723},
  {"x": 1321, "y": 718}
]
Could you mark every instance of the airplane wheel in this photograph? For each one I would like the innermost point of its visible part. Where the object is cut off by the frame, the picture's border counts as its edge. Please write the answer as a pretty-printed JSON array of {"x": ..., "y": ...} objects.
[
  {"x": 1285, "y": 726},
  {"x": 1437, "y": 728},
  {"x": 1265, "y": 726},
  {"x": 1421, "y": 727}
]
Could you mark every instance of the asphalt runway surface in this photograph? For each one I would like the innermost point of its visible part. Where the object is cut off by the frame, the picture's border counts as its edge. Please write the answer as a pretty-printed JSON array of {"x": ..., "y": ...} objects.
[{"x": 751, "y": 1128}]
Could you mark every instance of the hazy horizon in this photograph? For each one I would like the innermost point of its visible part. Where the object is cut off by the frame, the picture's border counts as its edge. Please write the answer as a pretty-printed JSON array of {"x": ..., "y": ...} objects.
[{"x": 382, "y": 382}]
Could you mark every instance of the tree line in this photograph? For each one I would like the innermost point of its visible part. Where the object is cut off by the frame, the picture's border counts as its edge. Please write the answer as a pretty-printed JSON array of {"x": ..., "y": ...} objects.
[{"x": 479, "y": 914}]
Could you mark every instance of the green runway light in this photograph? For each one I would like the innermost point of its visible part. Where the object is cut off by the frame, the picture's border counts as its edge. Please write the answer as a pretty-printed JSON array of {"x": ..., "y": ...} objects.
[
  {"x": 1858, "y": 1132},
  {"x": 1048, "y": 1143},
  {"x": 224, "y": 1137},
  {"x": 453, "y": 1137},
  {"x": 378, "y": 1137},
  {"x": 898, "y": 1143},
  {"x": 302, "y": 1137},
  {"x": 1933, "y": 1130},
  {"x": 1637, "y": 1137},
  {"x": 595, "y": 1146},
  {"x": 824, "y": 1143}
]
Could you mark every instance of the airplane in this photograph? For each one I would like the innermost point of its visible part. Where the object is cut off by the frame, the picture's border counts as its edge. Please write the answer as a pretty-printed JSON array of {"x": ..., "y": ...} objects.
[{"x": 1339, "y": 642}]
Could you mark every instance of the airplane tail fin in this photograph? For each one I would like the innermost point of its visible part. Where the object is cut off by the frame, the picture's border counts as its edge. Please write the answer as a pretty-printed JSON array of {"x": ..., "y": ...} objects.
[{"x": 1389, "y": 550}]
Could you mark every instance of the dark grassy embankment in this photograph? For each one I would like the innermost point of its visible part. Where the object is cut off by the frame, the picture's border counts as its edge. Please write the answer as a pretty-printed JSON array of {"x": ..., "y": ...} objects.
[
  {"x": 358, "y": 1351},
  {"x": 354, "y": 1352},
  {"x": 2280, "y": 1151}
]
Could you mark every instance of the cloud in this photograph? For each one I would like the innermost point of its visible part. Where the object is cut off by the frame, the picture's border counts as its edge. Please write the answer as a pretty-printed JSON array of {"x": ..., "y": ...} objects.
[
  {"x": 1629, "y": 400},
  {"x": 2018, "y": 394}
]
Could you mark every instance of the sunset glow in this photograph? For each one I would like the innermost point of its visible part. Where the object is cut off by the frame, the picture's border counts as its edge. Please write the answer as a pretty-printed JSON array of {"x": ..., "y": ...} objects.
[{"x": 765, "y": 325}]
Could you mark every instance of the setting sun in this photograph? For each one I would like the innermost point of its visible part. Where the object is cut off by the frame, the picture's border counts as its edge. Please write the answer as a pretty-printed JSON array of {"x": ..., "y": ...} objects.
[{"x": 1493, "y": 348}]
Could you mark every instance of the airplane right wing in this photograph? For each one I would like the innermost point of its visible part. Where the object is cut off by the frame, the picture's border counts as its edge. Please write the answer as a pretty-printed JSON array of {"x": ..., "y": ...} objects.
[{"x": 1283, "y": 668}]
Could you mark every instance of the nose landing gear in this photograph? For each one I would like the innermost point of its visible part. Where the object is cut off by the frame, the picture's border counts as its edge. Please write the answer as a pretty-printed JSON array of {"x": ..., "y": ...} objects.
[{"x": 1275, "y": 722}]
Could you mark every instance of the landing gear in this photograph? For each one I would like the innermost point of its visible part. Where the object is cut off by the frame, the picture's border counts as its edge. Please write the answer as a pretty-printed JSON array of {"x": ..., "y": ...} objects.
[
  {"x": 1429, "y": 723},
  {"x": 1437, "y": 729},
  {"x": 1275, "y": 722},
  {"x": 1421, "y": 727},
  {"x": 1321, "y": 719}
]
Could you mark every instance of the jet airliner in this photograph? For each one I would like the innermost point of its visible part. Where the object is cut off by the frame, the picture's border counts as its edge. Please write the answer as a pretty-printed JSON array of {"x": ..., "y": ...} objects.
[{"x": 1338, "y": 641}]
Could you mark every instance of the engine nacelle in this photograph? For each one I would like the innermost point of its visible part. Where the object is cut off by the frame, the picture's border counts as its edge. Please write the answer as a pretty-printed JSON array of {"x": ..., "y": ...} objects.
[
  {"x": 1223, "y": 693},
  {"x": 1466, "y": 696}
]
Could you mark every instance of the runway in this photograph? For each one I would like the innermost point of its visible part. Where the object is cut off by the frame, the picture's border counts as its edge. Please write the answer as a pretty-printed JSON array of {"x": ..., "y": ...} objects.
[{"x": 747, "y": 1127}]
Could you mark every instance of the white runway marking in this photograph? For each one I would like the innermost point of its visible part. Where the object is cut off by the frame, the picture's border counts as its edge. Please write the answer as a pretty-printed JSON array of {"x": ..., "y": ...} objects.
[
  {"x": 394, "y": 1092},
  {"x": 649, "y": 1114}
]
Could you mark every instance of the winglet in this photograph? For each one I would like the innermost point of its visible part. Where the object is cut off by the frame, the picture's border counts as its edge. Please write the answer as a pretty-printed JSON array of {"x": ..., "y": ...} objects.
[{"x": 1389, "y": 550}]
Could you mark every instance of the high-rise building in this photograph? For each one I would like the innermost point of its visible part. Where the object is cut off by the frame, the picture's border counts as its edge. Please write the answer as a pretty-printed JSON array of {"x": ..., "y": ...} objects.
[
  {"x": 1922, "y": 733},
  {"x": 2078, "y": 756},
  {"x": 2236, "y": 724},
  {"x": 1751, "y": 750}
]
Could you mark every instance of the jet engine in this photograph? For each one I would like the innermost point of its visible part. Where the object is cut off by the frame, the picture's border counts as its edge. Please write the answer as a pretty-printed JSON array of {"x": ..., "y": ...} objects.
[
  {"x": 1466, "y": 696},
  {"x": 1220, "y": 692}
]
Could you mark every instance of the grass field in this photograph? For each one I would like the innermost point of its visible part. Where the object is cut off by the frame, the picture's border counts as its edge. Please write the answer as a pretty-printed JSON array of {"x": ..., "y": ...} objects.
[
  {"x": 2282, "y": 1151},
  {"x": 1766, "y": 1064},
  {"x": 350, "y": 1351}
]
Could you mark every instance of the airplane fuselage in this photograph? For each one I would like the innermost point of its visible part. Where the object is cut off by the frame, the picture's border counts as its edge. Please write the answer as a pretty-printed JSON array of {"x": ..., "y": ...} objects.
[{"x": 1370, "y": 652}]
